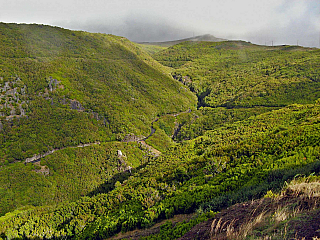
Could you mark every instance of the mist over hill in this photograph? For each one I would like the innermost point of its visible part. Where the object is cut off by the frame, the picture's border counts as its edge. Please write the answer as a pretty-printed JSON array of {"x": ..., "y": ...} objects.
[{"x": 206, "y": 37}]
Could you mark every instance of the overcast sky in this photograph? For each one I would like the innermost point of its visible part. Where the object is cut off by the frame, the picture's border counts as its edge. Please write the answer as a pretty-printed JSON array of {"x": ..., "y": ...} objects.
[{"x": 258, "y": 21}]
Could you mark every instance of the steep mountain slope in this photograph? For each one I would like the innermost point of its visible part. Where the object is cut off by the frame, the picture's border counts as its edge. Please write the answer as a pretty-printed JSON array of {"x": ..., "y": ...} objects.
[
  {"x": 62, "y": 89},
  {"x": 231, "y": 164},
  {"x": 77, "y": 87},
  {"x": 236, "y": 148},
  {"x": 292, "y": 214}
]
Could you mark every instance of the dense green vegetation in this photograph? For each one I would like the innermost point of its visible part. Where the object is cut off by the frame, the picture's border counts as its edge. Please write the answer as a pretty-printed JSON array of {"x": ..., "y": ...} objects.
[
  {"x": 206, "y": 118},
  {"x": 74, "y": 88},
  {"x": 169, "y": 231},
  {"x": 240, "y": 74},
  {"x": 257, "y": 126},
  {"x": 152, "y": 49},
  {"x": 119, "y": 87},
  {"x": 241, "y": 155},
  {"x": 74, "y": 172}
]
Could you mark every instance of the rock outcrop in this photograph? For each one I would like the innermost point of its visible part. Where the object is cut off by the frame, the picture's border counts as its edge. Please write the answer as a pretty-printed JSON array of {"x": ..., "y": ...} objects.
[
  {"x": 52, "y": 83},
  {"x": 75, "y": 105},
  {"x": 122, "y": 165},
  {"x": 13, "y": 99},
  {"x": 132, "y": 138}
]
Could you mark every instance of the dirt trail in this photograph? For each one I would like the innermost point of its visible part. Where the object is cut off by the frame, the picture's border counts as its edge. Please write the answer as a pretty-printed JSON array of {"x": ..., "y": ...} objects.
[
  {"x": 155, "y": 152},
  {"x": 37, "y": 157}
]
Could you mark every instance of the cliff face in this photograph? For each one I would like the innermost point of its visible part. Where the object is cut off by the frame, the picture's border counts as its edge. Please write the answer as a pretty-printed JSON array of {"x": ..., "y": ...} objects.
[{"x": 13, "y": 98}]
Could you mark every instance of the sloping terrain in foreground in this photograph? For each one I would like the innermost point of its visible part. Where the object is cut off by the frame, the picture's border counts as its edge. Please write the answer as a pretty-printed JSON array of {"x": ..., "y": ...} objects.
[
  {"x": 292, "y": 214},
  {"x": 228, "y": 165}
]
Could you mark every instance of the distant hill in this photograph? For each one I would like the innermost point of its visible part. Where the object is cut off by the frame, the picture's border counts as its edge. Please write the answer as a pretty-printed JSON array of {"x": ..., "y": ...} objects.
[
  {"x": 240, "y": 74},
  {"x": 206, "y": 37}
]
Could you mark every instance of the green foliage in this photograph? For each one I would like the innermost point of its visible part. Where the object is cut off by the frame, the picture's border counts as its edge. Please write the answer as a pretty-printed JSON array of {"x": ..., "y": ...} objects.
[
  {"x": 161, "y": 141},
  {"x": 164, "y": 129},
  {"x": 238, "y": 74},
  {"x": 197, "y": 123},
  {"x": 241, "y": 161},
  {"x": 151, "y": 49},
  {"x": 168, "y": 231},
  {"x": 121, "y": 88},
  {"x": 239, "y": 150},
  {"x": 74, "y": 172}
]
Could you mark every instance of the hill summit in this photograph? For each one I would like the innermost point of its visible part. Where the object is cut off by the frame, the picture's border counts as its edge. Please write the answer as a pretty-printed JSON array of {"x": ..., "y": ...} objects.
[{"x": 200, "y": 38}]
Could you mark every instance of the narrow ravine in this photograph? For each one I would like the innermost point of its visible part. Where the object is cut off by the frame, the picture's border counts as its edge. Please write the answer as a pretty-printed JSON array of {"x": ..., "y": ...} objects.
[
  {"x": 142, "y": 139},
  {"x": 153, "y": 130}
]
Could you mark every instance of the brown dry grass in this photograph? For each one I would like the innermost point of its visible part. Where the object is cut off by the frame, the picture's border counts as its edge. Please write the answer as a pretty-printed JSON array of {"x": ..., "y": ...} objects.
[{"x": 300, "y": 196}]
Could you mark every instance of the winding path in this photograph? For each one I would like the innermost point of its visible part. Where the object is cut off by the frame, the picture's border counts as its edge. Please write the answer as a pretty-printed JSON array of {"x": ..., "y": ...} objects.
[
  {"x": 155, "y": 152},
  {"x": 37, "y": 157}
]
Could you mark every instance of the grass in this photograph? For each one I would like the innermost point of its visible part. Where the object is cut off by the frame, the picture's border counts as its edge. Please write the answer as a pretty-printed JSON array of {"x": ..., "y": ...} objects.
[{"x": 273, "y": 217}]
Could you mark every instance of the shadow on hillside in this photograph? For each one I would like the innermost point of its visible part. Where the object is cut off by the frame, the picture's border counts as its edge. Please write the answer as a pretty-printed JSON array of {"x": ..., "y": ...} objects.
[
  {"x": 109, "y": 185},
  {"x": 273, "y": 180}
]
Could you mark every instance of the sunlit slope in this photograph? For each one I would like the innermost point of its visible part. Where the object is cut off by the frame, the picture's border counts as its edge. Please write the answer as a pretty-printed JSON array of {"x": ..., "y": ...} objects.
[
  {"x": 240, "y": 74},
  {"x": 231, "y": 164},
  {"x": 62, "y": 88}
]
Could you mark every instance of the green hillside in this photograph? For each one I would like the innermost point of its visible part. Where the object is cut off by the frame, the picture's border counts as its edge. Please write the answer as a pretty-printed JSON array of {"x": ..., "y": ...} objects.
[
  {"x": 60, "y": 89},
  {"x": 239, "y": 74},
  {"x": 229, "y": 122},
  {"x": 231, "y": 164},
  {"x": 77, "y": 87}
]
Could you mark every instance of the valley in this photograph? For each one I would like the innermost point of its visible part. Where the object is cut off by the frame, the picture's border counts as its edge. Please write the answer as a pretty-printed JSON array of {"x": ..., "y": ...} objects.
[{"x": 104, "y": 138}]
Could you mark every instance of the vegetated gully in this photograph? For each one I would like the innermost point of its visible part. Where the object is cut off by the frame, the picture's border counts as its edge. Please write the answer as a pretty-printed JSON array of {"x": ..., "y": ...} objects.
[{"x": 153, "y": 130}]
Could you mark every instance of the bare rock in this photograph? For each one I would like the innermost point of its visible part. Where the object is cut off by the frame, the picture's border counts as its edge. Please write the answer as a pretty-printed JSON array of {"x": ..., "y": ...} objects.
[
  {"x": 75, "y": 105},
  {"x": 132, "y": 138}
]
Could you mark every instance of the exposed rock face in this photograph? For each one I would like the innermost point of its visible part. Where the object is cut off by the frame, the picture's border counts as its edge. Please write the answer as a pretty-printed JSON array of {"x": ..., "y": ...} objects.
[
  {"x": 119, "y": 154},
  {"x": 185, "y": 80},
  {"x": 122, "y": 165},
  {"x": 132, "y": 138},
  {"x": 53, "y": 83},
  {"x": 12, "y": 98},
  {"x": 23, "y": 90},
  {"x": 75, "y": 105},
  {"x": 43, "y": 169},
  {"x": 22, "y": 112},
  {"x": 6, "y": 86}
]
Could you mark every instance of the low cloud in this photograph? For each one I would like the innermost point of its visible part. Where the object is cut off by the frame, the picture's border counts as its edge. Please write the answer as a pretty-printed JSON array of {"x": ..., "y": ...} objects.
[
  {"x": 136, "y": 28},
  {"x": 299, "y": 24},
  {"x": 281, "y": 21}
]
